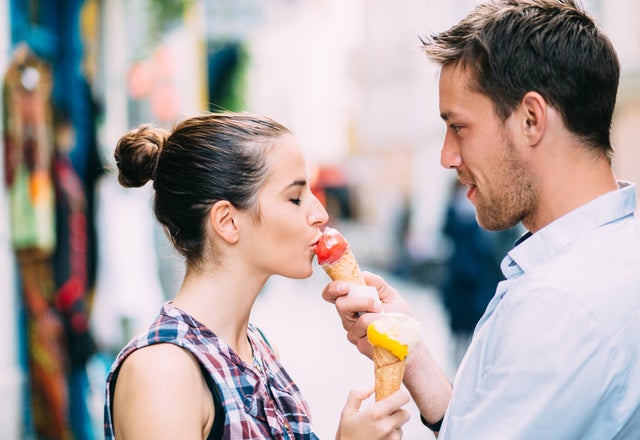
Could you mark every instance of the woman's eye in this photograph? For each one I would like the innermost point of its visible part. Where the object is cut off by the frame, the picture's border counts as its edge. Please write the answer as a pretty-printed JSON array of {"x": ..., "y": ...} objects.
[{"x": 295, "y": 201}]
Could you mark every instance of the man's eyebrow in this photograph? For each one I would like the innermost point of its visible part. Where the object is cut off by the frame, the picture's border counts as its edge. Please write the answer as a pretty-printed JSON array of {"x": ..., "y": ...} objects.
[{"x": 446, "y": 115}]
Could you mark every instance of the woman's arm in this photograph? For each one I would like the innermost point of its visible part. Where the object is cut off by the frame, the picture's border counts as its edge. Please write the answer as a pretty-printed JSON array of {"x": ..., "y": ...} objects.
[{"x": 160, "y": 393}]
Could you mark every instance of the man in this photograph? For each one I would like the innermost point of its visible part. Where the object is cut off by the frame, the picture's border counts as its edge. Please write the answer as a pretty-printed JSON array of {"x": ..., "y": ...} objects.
[{"x": 527, "y": 91}]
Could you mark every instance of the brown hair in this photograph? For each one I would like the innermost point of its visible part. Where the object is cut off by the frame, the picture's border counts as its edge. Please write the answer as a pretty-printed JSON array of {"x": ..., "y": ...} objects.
[
  {"x": 207, "y": 158},
  {"x": 552, "y": 47}
]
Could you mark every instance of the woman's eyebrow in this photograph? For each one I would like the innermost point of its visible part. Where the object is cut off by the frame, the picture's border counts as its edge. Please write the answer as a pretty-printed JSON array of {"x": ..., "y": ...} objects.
[{"x": 301, "y": 182}]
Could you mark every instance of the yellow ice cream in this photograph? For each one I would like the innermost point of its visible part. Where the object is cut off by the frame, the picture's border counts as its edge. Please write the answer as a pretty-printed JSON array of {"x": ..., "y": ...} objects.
[{"x": 395, "y": 332}]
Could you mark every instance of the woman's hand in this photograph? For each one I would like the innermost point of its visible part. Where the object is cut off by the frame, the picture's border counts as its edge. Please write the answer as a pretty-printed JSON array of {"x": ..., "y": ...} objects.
[{"x": 380, "y": 420}]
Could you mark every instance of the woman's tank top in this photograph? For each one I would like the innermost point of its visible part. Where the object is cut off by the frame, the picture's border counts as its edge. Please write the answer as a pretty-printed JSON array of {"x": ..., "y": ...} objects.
[{"x": 259, "y": 401}]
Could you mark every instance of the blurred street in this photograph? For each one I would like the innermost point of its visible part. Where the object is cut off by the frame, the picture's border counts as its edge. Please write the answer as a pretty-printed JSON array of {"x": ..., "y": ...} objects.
[
  {"x": 315, "y": 351},
  {"x": 86, "y": 265}
]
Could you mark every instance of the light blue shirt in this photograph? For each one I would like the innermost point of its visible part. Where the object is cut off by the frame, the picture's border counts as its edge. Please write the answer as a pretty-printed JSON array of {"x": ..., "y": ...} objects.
[{"x": 557, "y": 353}]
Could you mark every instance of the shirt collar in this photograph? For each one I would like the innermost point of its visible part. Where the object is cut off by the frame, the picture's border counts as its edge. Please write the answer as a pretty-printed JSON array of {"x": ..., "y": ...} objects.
[{"x": 534, "y": 249}]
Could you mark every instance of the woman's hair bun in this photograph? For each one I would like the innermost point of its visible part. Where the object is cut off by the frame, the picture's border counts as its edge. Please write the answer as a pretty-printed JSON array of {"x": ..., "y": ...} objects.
[{"x": 137, "y": 155}]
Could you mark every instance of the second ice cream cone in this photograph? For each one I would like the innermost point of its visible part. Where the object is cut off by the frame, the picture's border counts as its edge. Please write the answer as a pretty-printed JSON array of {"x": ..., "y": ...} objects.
[
  {"x": 389, "y": 371},
  {"x": 392, "y": 336}
]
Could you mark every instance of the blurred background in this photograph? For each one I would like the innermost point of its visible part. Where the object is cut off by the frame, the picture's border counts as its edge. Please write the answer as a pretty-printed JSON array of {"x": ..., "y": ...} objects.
[{"x": 83, "y": 265}]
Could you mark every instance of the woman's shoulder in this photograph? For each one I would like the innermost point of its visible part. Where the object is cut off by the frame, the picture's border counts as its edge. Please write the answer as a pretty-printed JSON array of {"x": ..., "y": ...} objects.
[
  {"x": 158, "y": 364},
  {"x": 164, "y": 380},
  {"x": 161, "y": 356}
]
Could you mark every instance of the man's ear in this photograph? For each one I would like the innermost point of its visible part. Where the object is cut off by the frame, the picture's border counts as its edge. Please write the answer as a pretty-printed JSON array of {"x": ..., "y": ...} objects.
[
  {"x": 221, "y": 219},
  {"x": 534, "y": 117}
]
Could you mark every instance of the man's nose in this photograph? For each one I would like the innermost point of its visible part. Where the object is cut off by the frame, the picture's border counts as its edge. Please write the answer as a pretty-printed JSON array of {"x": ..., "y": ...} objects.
[{"x": 450, "y": 154}]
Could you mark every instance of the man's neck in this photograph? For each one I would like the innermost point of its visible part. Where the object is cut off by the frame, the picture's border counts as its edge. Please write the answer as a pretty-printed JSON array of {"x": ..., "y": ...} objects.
[{"x": 567, "y": 183}]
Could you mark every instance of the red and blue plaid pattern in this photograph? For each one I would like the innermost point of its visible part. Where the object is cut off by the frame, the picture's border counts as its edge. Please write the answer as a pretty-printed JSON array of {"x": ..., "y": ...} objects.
[{"x": 260, "y": 401}]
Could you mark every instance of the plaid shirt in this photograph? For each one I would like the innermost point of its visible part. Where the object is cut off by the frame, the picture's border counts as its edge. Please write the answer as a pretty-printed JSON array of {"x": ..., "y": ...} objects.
[{"x": 259, "y": 401}]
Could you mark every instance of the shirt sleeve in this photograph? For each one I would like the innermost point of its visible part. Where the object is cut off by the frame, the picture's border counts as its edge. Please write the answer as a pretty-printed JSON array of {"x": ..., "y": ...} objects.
[{"x": 543, "y": 375}]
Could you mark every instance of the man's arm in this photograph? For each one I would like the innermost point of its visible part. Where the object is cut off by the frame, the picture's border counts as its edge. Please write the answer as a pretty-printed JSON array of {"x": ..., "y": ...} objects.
[
  {"x": 429, "y": 387},
  {"x": 426, "y": 382}
]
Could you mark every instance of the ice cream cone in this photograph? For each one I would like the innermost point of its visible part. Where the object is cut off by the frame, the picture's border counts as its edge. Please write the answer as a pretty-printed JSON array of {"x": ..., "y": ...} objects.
[
  {"x": 345, "y": 269},
  {"x": 393, "y": 336},
  {"x": 389, "y": 371}
]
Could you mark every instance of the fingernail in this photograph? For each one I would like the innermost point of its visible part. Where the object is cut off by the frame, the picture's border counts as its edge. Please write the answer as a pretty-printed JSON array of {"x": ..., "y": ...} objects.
[
  {"x": 342, "y": 288},
  {"x": 377, "y": 305}
]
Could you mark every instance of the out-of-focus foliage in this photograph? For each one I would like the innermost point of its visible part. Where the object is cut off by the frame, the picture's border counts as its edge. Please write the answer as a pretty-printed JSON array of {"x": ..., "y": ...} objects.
[{"x": 164, "y": 14}]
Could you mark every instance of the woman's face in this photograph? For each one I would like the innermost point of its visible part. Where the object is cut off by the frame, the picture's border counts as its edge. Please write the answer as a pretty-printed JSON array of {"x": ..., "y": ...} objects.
[{"x": 281, "y": 241}]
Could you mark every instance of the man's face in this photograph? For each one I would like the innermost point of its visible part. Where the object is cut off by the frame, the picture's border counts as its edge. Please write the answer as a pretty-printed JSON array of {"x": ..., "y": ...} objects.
[{"x": 480, "y": 147}]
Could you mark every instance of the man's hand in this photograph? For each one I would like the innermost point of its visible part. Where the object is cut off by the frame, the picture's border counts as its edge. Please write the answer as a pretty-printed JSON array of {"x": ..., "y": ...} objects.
[{"x": 357, "y": 312}]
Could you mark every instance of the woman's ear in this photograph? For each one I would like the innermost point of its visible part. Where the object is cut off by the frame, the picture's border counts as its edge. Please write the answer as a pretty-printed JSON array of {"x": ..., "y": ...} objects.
[
  {"x": 221, "y": 219},
  {"x": 534, "y": 120}
]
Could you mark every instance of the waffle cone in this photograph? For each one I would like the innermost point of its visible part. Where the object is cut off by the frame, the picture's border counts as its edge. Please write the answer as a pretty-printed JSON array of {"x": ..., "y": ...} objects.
[
  {"x": 345, "y": 269},
  {"x": 389, "y": 371}
]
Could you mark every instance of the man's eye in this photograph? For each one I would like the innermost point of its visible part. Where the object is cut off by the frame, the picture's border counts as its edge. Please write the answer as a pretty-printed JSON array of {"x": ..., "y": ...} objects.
[
  {"x": 295, "y": 201},
  {"x": 455, "y": 128}
]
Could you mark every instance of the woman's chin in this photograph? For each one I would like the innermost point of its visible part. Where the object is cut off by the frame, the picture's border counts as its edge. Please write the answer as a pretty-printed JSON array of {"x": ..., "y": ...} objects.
[{"x": 299, "y": 275}]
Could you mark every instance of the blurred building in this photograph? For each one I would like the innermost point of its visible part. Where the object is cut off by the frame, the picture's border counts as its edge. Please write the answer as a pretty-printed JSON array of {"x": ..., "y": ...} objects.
[
  {"x": 619, "y": 19},
  {"x": 347, "y": 76},
  {"x": 351, "y": 80},
  {"x": 11, "y": 375},
  {"x": 105, "y": 67}
]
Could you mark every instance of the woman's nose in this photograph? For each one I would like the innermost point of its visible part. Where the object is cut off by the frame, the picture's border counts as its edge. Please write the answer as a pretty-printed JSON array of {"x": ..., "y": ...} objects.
[{"x": 319, "y": 214}]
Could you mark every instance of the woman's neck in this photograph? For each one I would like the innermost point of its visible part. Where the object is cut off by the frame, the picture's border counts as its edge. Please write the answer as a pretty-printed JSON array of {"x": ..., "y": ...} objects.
[{"x": 222, "y": 301}]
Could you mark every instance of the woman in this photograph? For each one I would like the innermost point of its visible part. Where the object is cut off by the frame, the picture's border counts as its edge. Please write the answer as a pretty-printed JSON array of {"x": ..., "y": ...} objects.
[{"x": 232, "y": 193}]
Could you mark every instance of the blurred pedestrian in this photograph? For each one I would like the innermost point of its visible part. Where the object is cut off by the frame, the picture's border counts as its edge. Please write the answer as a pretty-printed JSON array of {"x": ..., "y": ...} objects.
[
  {"x": 473, "y": 267},
  {"x": 232, "y": 192},
  {"x": 527, "y": 91}
]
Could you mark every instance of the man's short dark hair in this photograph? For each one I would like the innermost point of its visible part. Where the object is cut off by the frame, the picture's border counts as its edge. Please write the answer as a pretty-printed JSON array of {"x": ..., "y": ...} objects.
[{"x": 552, "y": 47}]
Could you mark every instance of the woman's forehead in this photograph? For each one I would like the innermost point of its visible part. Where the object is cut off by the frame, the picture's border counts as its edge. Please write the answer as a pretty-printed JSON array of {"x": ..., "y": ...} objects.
[{"x": 287, "y": 162}]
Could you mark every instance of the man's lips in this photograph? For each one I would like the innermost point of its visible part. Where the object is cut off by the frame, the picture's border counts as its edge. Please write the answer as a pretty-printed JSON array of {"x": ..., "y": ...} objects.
[
  {"x": 468, "y": 185},
  {"x": 471, "y": 188},
  {"x": 471, "y": 191}
]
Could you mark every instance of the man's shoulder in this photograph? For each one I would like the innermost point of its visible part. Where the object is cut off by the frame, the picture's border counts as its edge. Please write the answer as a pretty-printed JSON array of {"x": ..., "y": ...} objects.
[
  {"x": 611, "y": 246},
  {"x": 598, "y": 274}
]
